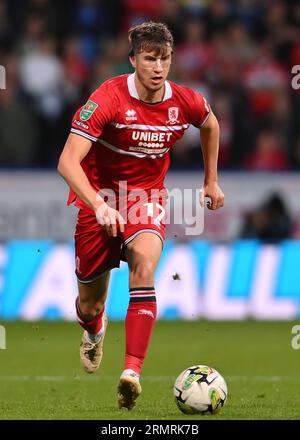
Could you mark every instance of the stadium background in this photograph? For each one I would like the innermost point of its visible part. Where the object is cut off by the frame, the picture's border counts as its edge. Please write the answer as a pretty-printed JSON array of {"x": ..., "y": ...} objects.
[
  {"x": 245, "y": 265},
  {"x": 56, "y": 53}
]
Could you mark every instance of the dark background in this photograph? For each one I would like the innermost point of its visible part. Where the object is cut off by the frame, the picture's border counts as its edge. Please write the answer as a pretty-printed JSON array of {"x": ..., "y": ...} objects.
[{"x": 239, "y": 54}]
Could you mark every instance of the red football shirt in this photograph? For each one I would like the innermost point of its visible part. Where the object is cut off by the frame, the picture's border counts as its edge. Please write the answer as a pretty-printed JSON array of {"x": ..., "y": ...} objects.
[{"x": 131, "y": 139}]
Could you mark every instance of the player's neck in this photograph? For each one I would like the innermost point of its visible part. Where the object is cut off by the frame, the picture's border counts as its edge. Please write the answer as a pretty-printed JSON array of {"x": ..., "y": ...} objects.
[{"x": 147, "y": 95}]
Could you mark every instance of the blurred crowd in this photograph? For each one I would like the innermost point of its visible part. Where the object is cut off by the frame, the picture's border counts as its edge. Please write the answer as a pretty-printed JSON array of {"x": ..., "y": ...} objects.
[
  {"x": 239, "y": 54},
  {"x": 270, "y": 221}
]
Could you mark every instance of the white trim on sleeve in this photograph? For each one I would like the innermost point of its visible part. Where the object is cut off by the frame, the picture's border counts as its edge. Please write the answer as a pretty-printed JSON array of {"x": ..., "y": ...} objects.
[{"x": 83, "y": 134}]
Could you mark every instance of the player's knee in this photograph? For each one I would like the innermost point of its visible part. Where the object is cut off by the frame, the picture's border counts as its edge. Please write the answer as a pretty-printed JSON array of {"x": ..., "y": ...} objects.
[{"x": 143, "y": 271}]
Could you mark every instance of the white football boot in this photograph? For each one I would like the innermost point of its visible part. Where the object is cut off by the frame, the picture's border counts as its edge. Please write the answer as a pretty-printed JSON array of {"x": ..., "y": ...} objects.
[
  {"x": 91, "y": 353},
  {"x": 129, "y": 389}
]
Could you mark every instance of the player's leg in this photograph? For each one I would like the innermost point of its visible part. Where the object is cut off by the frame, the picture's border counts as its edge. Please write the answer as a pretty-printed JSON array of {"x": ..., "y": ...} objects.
[
  {"x": 90, "y": 302},
  {"x": 90, "y": 309},
  {"x": 96, "y": 254},
  {"x": 142, "y": 254}
]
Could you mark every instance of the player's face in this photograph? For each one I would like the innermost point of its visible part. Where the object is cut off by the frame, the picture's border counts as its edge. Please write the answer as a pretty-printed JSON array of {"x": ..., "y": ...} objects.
[{"x": 152, "y": 69}]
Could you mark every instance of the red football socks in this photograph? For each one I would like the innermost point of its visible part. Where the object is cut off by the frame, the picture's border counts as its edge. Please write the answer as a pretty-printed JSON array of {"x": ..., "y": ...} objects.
[
  {"x": 139, "y": 324},
  {"x": 92, "y": 326}
]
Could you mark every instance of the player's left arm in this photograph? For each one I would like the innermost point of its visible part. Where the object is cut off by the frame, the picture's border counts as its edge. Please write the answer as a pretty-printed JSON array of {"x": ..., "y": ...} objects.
[{"x": 209, "y": 133}]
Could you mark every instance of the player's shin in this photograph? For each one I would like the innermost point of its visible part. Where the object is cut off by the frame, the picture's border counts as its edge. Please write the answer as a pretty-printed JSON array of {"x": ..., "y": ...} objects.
[
  {"x": 140, "y": 320},
  {"x": 93, "y": 326}
]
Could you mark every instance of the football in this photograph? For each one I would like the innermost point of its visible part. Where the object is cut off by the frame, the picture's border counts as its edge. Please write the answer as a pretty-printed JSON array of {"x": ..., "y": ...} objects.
[{"x": 200, "y": 390}]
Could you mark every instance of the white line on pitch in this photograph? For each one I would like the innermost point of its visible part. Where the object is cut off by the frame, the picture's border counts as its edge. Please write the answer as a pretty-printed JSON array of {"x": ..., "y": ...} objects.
[{"x": 145, "y": 378}]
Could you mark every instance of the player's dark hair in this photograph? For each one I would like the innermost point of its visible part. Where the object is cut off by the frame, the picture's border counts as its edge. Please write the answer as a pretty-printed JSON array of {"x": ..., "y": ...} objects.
[{"x": 148, "y": 37}]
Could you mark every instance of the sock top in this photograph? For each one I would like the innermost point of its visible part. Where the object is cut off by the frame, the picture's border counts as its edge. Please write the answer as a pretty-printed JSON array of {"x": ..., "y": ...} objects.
[{"x": 130, "y": 372}]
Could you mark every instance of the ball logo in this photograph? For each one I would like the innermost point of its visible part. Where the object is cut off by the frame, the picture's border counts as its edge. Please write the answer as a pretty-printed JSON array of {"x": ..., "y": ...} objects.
[
  {"x": 192, "y": 378},
  {"x": 215, "y": 399},
  {"x": 204, "y": 370},
  {"x": 173, "y": 113}
]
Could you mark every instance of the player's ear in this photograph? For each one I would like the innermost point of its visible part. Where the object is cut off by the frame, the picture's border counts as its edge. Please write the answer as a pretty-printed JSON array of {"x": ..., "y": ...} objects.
[{"x": 132, "y": 61}]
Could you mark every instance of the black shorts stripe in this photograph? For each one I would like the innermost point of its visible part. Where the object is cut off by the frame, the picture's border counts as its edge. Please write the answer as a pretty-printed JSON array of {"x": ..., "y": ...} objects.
[{"x": 143, "y": 299}]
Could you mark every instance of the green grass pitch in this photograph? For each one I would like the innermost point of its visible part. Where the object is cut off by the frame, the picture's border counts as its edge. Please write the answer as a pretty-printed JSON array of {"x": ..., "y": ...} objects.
[{"x": 41, "y": 377}]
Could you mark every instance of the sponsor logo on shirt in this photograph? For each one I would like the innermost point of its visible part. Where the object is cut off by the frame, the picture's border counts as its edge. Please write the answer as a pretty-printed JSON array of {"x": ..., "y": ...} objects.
[
  {"x": 88, "y": 110},
  {"x": 151, "y": 136},
  {"x": 81, "y": 124},
  {"x": 173, "y": 113},
  {"x": 150, "y": 142},
  {"x": 131, "y": 115}
]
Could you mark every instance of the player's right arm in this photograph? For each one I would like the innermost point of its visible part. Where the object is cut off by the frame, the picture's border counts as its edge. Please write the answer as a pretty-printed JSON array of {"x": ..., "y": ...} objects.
[{"x": 69, "y": 167}]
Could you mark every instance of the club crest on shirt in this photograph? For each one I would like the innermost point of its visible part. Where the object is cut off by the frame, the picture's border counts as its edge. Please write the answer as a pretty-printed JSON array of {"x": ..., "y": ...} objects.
[
  {"x": 173, "y": 115},
  {"x": 88, "y": 110}
]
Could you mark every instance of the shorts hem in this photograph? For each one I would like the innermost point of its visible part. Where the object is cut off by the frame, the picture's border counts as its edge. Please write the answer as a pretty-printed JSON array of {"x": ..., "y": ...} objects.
[
  {"x": 90, "y": 280},
  {"x": 153, "y": 231}
]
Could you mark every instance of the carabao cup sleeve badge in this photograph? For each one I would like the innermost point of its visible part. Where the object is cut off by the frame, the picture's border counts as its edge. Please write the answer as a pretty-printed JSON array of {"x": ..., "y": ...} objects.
[{"x": 88, "y": 110}]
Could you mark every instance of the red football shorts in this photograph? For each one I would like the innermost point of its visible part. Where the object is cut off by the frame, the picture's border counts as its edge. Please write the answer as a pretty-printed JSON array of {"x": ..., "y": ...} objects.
[{"x": 96, "y": 252}]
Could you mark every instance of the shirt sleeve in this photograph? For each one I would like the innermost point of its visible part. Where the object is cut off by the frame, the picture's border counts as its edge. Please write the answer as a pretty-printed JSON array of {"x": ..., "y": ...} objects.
[
  {"x": 90, "y": 119},
  {"x": 200, "y": 110}
]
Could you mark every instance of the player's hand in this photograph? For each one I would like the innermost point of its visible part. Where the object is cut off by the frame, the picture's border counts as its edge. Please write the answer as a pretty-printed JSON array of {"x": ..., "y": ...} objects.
[
  {"x": 214, "y": 193},
  {"x": 110, "y": 219}
]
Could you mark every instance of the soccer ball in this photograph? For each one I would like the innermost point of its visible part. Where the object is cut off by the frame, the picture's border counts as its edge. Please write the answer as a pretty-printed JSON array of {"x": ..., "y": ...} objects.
[{"x": 200, "y": 390}]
